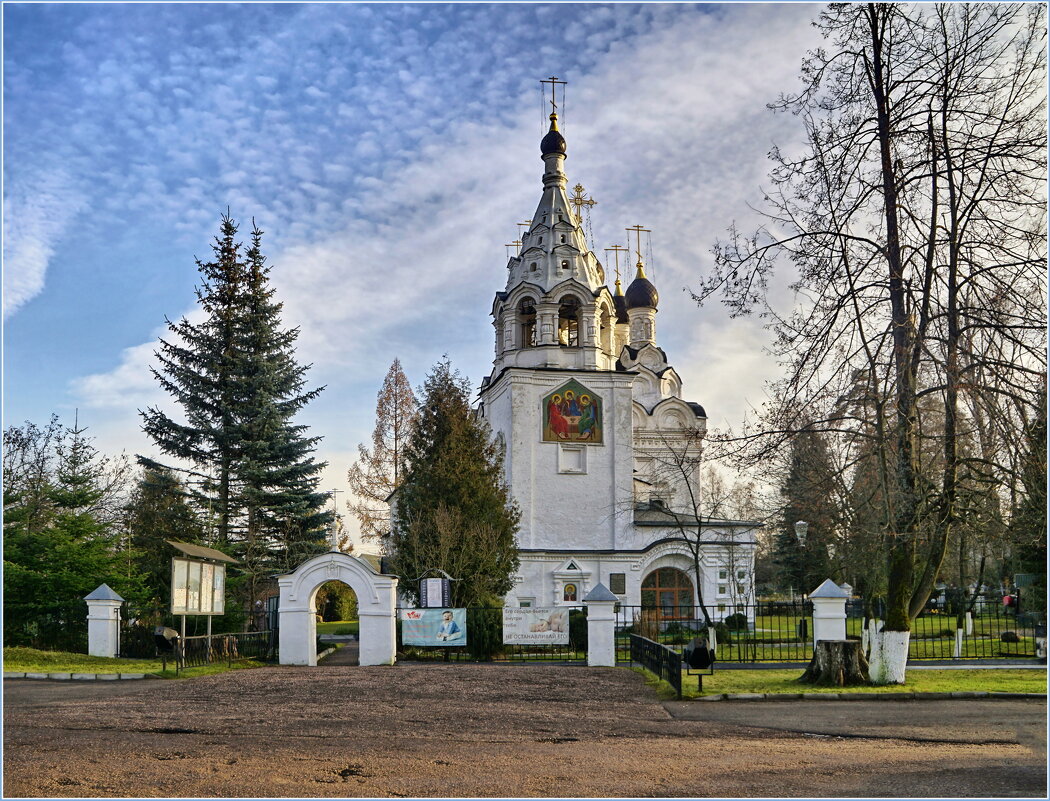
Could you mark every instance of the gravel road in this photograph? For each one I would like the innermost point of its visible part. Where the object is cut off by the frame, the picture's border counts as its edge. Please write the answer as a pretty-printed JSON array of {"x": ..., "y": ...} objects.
[{"x": 479, "y": 730}]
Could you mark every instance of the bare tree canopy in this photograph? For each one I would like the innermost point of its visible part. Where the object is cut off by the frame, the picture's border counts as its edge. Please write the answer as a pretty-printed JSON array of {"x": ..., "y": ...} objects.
[{"x": 916, "y": 223}]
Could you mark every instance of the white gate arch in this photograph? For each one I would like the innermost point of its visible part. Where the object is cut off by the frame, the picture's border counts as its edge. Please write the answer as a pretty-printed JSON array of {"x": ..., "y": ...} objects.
[{"x": 376, "y": 602}]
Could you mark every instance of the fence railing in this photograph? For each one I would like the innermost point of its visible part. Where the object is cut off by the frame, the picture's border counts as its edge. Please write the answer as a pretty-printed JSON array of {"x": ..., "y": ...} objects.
[
  {"x": 770, "y": 631},
  {"x": 250, "y": 634},
  {"x": 485, "y": 642},
  {"x": 658, "y": 659}
]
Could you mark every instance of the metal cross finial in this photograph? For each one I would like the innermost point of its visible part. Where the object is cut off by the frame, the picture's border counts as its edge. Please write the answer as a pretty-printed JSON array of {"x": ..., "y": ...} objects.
[
  {"x": 516, "y": 244},
  {"x": 553, "y": 81},
  {"x": 579, "y": 200},
  {"x": 638, "y": 230},
  {"x": 618, "y": 249}
]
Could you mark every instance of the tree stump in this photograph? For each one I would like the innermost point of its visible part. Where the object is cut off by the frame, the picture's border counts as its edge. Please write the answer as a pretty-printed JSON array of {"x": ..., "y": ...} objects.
[{"x": 837, "y": 663}]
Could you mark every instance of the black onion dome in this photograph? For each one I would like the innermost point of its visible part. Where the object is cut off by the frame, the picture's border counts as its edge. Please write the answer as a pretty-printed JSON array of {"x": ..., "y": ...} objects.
[
  {"x": 641, "y": 293},
  {"x": 620, "y": 305},
  {"x": 553, "y": 142}
]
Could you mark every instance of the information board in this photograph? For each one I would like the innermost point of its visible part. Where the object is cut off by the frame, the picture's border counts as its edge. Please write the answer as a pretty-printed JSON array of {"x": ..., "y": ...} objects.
[
  {"x": 197, "y": 588},
  {"x": 529, "y": 625}
]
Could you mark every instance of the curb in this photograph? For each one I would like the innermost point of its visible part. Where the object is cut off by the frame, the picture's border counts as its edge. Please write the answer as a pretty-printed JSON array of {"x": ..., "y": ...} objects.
[
  {"x": 847, "y": 696},
  {"x": 76, "y": 676}
]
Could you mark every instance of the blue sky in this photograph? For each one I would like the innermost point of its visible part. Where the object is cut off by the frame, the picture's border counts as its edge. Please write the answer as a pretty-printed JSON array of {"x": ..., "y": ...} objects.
[{"x": 388, "y": 151}]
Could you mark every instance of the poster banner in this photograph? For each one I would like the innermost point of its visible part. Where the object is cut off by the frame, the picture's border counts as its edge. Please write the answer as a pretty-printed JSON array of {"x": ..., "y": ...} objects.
[
  {"x": 434, "y": 626},
  {"x": 531, "y": 626}
]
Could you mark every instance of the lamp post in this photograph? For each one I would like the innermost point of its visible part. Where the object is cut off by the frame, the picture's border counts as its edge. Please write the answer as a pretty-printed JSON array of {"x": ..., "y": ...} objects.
[{"x": 801, "y": 527}]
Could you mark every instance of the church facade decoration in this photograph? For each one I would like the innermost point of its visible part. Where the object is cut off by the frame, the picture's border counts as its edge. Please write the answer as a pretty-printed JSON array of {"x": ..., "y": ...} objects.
[{"x": 572, "y": 413}]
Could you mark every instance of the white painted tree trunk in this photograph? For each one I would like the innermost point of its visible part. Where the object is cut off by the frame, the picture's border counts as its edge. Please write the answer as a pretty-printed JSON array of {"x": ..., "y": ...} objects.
[
  {"x": 958, "y": 644},
  {"x": 969, "y": 625},
  {"x": 868, "y": 636},
  {"x": 889, "y": 657},
  {"x": 712, "y": 640}
]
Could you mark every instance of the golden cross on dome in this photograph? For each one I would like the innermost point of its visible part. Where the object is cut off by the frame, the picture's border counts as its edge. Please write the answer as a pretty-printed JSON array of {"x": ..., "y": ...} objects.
[
  {"x": 618, "y": 249},
  {"x": 553, "y": 81},
  {"x": 579, "y": 200},
  {"x": 516, "y": 244},
  {"x": 638, "y": 231}
]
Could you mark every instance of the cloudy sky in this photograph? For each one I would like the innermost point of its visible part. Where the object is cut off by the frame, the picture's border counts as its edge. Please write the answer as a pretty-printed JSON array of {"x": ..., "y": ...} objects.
[{"x": 388, "y": 152}]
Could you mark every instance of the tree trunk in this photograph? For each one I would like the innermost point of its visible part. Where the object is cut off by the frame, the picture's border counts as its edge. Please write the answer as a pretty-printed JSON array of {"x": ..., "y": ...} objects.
[{"x": 837, "y": 663}]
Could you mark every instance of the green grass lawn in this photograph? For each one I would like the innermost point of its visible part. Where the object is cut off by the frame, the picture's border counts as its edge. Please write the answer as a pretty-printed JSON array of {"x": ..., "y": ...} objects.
[
  {"x": 339, "y": 627},
  {"x": 926, "y": 681},
  {"x": 30, "y": 660}
]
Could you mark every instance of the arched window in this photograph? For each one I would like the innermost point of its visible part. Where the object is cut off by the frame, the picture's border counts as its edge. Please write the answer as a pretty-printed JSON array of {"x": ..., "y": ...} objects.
[
  {"x": 569, "y": 322},
  {"x": 527, "y": 320},
  {"x": 605, "y": 331},
  {"x": 670, "y": 591}
]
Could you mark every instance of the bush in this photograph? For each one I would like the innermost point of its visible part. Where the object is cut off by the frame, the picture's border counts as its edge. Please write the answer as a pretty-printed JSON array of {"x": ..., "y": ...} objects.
[
  {"x": 736, "y": 621},
  {"x": 723, "y": 634},
  {"x": 485, "y": 630},
  {"x": 578, "y": 629}
]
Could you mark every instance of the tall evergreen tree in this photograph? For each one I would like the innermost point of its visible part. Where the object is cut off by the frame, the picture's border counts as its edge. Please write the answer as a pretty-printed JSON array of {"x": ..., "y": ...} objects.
[
  {"x": 378, "y": 472},
  {"x": 453, "y": 510},
  {"x": 1028, "y": 527},
  {"x": 808, "y": 492},
  {"x": 158, "y": 511},
  {"x": 237, "y": 381}
]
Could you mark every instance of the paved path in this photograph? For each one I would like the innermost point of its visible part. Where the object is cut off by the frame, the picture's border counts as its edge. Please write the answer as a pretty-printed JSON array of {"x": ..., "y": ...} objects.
[
  {"x": 425, "y": 730},
  {"x": 344, "y": 656}
]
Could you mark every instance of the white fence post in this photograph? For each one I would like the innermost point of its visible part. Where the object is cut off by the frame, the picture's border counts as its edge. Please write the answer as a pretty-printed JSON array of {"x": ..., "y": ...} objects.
[
  {"x": 601, "y": 627},
  {"x": 829, "y": 612},
  {"x": 103, "y": 621}
]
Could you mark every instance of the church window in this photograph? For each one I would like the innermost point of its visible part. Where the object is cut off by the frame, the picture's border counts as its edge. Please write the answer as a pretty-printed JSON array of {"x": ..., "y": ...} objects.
[
  {"x": 563, "y": 238},
  {"x": 565, "y": 265},
  {"x": 561, "y": 219},
  {"x": 533, "y": 267},
  {"x": 670, "y": 591},
  {"x": 527, "y": 319},
  {"x": 541, "y": 240},
  {"x": 723, "y": 574},
  {"x": 618, "y": 583},
  {"x": 569, "y": 322},
  {"x": 605, "y": 331},
  {"x": 740, "y": 574},
  {"x": 721, "y": 589}
]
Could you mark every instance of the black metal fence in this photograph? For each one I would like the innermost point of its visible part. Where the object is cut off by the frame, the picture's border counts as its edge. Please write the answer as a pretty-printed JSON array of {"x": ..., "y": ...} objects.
[
  {"x": 768, "y": 631},
  {"x": 253, "y": 635},
  {"x": 485, "y": 642},
  {"x": 992, "y": 630},
  {"x": 658, "y": 659}
]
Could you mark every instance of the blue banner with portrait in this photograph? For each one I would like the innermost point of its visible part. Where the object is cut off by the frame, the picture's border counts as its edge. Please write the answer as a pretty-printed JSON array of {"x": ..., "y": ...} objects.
[{"x": 434, "y": 626}]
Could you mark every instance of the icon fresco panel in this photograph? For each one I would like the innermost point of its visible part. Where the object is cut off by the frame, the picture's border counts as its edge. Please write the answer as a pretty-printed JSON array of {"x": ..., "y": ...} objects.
[{"x": 572, "y": 413}]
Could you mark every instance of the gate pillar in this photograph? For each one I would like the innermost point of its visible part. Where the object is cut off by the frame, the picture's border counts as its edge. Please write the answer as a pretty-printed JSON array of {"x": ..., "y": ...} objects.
[
  {"x": 601, "y": 627},
  {"x": 103, "y": 621}
]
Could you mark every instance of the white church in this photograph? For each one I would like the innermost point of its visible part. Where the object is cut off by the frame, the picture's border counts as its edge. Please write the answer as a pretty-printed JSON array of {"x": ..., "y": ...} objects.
[{"x": 602, "y": 450}]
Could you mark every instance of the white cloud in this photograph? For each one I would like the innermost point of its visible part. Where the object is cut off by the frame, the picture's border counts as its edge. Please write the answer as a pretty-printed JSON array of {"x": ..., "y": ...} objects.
[{"x": 37, "y": 211}]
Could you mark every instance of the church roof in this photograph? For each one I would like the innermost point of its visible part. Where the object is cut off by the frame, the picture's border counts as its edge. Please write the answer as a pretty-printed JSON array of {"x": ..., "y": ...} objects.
[
  {"x": 641, "y": 293},
  {"x": 553, "y": 142}
]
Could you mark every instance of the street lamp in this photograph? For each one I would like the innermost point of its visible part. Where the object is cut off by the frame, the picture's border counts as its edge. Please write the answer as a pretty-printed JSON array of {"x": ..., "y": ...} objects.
[{"x": 801, "y": 527}]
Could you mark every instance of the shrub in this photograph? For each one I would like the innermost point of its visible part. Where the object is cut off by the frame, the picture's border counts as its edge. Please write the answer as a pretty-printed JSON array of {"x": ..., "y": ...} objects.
[
  {"x": 485, "y": 630},
  {"x": 736, "y": 621},
  {"x": 578, "y": 629}
]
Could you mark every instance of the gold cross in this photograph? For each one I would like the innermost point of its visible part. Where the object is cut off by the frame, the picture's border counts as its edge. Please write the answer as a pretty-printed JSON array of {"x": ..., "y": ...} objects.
[
  {"x": 579, "y": 200},
  {"x": 618, "y": 249},
  {"x": 516, "y": 244},
  {"x": 553, "y": 81},
  {"x": 638, "y": 230}
]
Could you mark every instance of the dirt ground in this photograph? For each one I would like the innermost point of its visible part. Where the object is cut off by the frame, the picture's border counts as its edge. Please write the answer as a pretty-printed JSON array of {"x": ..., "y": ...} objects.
[{"x": 478, "y": 730}]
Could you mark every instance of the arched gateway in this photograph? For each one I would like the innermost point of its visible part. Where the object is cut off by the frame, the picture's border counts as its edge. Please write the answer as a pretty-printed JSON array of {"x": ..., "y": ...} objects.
[{"x": 376, "y": 602}]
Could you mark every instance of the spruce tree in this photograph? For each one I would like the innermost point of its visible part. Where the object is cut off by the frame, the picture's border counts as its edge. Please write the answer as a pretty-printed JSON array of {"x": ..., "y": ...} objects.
[
  {"x": 237, "y": 381},
  {"x": 159, "y": 510},
  {"x": 808, "y": 495},
  {"x": 453, "y": 510}
]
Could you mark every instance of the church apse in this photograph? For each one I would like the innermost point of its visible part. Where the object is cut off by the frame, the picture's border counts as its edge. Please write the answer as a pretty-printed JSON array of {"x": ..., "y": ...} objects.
[{"x": 572, "y": 413}]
